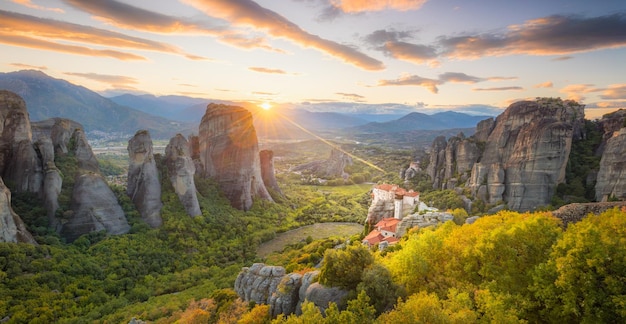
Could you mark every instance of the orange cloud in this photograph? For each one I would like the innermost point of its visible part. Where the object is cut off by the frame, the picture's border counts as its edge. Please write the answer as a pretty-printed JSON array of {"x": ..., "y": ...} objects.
[
  {"x": 35, "y": 43},
  {"x": 27, "y": 3},
  {"x": 249, "y": 13},
  {"x": 614, "y": 91},
  {"x": 547, "y": 84},
  {"x": 126, "y": 16},
  {"x": 28, "y": 66},
  {"x": 575, "y": 91},
  {"x": 114, "y": 80},
  {"x": 413, "y": 80},
  {"x": 377, "y": 5},
  {"x": 499, "y": 89},
  {"x": 266, "y": 70},
  {"x": 34, "y": 27}
]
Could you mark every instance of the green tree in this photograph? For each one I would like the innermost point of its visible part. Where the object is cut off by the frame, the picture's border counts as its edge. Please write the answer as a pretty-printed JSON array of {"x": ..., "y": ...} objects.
[{"x": 344, "y": 268}]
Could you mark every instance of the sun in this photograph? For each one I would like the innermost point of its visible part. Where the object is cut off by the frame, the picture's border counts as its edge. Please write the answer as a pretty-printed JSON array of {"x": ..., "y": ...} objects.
[{"x": 266, "y": 105}]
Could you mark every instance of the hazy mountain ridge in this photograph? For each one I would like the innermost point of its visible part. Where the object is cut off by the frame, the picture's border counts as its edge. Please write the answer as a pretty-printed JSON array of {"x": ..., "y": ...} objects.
[
  {"x": 420, "y": 121},
  {"x": 47, "y": 97}
]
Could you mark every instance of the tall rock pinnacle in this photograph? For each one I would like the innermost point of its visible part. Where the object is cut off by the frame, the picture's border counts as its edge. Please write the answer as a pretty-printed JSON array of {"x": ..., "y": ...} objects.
[
  {"x": 144, "y": 188},
  {"x": 229, "y": 153},
  {"x": 181, "y": 170}
]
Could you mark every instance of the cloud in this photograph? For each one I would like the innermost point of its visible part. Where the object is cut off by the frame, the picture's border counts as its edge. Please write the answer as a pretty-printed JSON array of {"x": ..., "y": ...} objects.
[
  {"x": 614, "y": 91},
  {"x": 266, "y": 70},
  {"x": 35, "y": 43},
  {"x": 350, "y": 96},
  {"x": 562, "y": 58},
  {"x": 457, "y": 77},
  {"x": 27, "y": 3},
  {"x": 28, "y": 66},
  {"x": 413, "y": 80},
  {"x": 126, "y": 16},
  {"x": 350, "y": 6},
  {"x": 553, "y": 35},
  {"x": 265, "y": 93},
  {"x": 498, "y": 89},
  {"x": 249, "y": 13},
  {"x": 114, "y": 80},
  {"x": 547, "y": 84},
  {"x": 392, "y": 44},
  {"x": 607, "y": 104},
  {"x": 576, "y": 91},
  {"x": 30, "y": 29}
]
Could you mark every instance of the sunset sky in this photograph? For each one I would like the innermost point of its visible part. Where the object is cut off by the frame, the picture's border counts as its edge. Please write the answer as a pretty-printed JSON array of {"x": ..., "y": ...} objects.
[{"x": 433, "y": 54}]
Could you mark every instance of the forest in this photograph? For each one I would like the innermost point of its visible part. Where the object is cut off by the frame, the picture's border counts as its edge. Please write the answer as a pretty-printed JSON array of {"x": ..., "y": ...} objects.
[{"x": 505, "y": 268}]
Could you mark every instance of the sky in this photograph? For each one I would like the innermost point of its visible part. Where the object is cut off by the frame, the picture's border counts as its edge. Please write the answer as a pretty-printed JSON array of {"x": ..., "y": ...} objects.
[{"x": 422, "y": 54}]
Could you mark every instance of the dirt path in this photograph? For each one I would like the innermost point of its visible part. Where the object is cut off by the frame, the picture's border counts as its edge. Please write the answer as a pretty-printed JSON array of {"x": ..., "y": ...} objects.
[{"x": 316, "y": 231}]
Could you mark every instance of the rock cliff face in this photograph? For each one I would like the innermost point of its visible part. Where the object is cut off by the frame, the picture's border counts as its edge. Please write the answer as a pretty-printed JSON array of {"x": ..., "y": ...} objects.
[
  {"x": 12, "y": 229},
  {"x": 181, "y": 170},
  {"x": 519, "y": 158},
  {"x": 268, "y": 172},
  {"x": 331, "y": 168},
  {"x": 19, "y": 164},
  {"x": 611, "y": 180},
  {"x": 284, "y": 293},
  {"x": 144, "y": 188},
  {"x": 229, "y": 153}
]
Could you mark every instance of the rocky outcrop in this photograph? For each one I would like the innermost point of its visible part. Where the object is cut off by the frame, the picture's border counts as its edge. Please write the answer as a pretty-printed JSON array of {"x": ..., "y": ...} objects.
[
  {"x": 609, "y": 124},
  {"x": 268, "y": 172},
  {"x": 284, "y": 293},
  {"x": 333, "y": 167},
  {"x": 229, "y": 153},
  {"x": 421, "y": 221},
  {"x": 52, "y": 181},
  {"x": 519, "y": 158},
  {"x": 144, "y": 188},
  {"x": 380, "y": 209},
  {"x": 93, "y": 208},
  {"x": 12, "y": 228},
  {"x": 573, "y": 213},
  {"x": 181, "y": 170},
  {"x": 611, "y": 179},
  {"x": 19, "y": 165}
]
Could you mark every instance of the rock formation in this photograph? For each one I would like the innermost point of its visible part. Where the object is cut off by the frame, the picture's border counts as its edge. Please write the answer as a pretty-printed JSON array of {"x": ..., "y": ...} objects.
[
  {"x": 284, "y": 293},
  {"x": 268, "y": 172},
  {"x": 333, "y": 167},
  {"x": 19, "y": 165},
  {"x": 181, "y": 170},
  {"x": 52, "y": 180},
  {"x": 93, "y": 208},
  {"x": 12, "y": 229},
  {"x": 229, "y": 153},
  {"x": 144, "y": 188},
  {"x": 611, "y": 179},
  {"x": 519, "y": 158},
  {"x": 573, "y": 213}
]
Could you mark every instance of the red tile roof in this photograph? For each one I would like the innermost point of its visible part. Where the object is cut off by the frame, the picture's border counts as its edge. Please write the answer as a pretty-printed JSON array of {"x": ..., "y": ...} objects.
[
  {"x": 397, "y": 190},
  {"x": 387, "y": 224}
]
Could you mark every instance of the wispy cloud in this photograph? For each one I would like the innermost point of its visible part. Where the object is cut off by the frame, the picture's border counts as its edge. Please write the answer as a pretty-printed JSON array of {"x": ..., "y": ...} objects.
[
  {"x": 29, "y": 4},
  {"x": 249, "y": 13},
  {"x": 377, "y": 5},
  {"x": 350, "y": 96},
  {"x": 576, "y": 91},
  {"x": 114, "y": 80},
  {"x": 263, "y": 93},
  {"x": 553, "y": 35},
  {"x": 614, "y": 91},
  {"x": 447, "y": 77},
  {"x": 413, "y": 80},
  {"x": 28, "y": 66},
  {"x": 499, "y": 89},
  {"x": 36, "y": 43},
  {"x": 393, "y": 44},
  {"x": 126, "y": 16},
  {"x": 562, "y": 58},
  {"x": 266, "y": 70},
  {"x": 29, "y": 31},
  {"x": 547, "y": 84}
]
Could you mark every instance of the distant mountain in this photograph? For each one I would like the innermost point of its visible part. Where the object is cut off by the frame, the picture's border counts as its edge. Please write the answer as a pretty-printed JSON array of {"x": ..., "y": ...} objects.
[
  {"x": 47, "y": 97},
  {"x": 419, "y": 121},
  {"x": 180, "y": 108}
]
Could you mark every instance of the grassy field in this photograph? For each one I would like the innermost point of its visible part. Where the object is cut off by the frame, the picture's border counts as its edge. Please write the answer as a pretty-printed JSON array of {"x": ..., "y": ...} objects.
[
  {"x": 316, "y": 231},
  {"x": 352, "y": 190}
]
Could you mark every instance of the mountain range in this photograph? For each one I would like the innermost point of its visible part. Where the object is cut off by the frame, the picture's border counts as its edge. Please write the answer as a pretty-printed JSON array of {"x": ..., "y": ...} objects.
[{"x": 164, "y": 116}]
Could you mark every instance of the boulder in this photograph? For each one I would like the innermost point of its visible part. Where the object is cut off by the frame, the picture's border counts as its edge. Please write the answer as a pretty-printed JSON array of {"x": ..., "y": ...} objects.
[
  {"x": 144, "y": 188},
  {"x": 259, "y": 282},
  {"x": 12, "y": 228},
  {"x": 229, "y": 153},
  {"x": 181, "y": 170}
]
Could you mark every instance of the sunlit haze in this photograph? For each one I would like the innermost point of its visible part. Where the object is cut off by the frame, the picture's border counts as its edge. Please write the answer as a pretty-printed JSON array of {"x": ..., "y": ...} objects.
[{"x": 417, "y": 53}]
